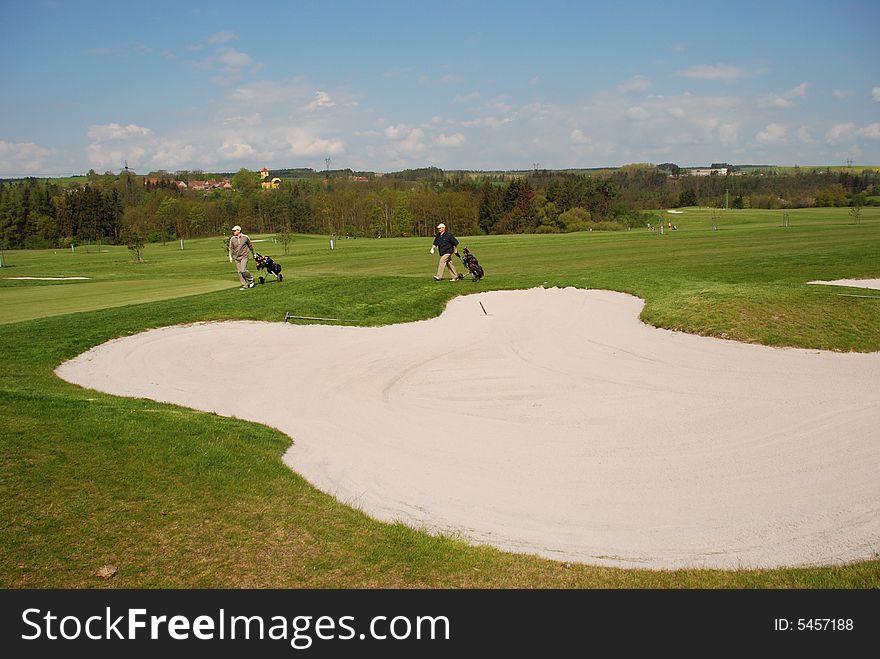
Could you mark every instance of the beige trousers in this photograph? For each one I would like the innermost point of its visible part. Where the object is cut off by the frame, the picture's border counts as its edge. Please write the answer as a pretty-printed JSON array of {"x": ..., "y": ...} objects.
[
  {"x": 446, "y": 262},
  {"x": 243, "y": 274}
]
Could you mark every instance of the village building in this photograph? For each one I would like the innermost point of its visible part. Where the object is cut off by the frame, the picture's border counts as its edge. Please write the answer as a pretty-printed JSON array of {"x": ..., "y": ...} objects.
[
  {"x": 709, "y": 171},
  {"x": 268, "y": 183}
]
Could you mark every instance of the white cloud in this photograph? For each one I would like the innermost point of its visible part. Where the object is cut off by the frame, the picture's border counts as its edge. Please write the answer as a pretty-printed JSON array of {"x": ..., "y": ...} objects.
[
  {"x": 322, "y": 100},
  {"x": 638, "y": 113},
  {"x": 116, "y": 132},
  {"x": 784, "y": 100},
  {"x": 16, "y": 158},
  {"x": 259, "y": 122},
  {"x": 464, "y": 98},
  {"x": 675, "y": 112},
  {"x": 871, "y": 131},
  {"x": 875, "y": 94},
  {"x": 234, "y": 60},
  {"x": 412, "y": 143},
  {"x": 637, "y": 83},
  {"x": 304, "y": 143},
  {"x": 728, "y": 133},
  {"x": 456, "y": 139},
  {"x": 713, "y": 72},
  {"x": 174, "y": 154},
  {"x": 222, "y": 37},
  {"x": 152, "y": 152},
  {"x": 804, "y": 135},
  {"x": 840, "y": 132},
  {"x": 709, "y": 124},
  {"x": 106, "y": 157},
  {"x": 577, "y": 136},
  {"x": 491, "y": 122},
  {"x": 236, "y": 150},
  {"x": 799, "y": 91},
  {"x": 843, "y": 93},
  {"x": 538, "y": 110},
  {"x": 773, "y": 101},
  {"x": 773, "y": 134},
  {"x": 405, "y": 138},
  {"x": 678, "y": 47},
  {"x": 271, "y": 93},
  {"x": 254, "y": 119},
  {"x": 397, "y": 132}
]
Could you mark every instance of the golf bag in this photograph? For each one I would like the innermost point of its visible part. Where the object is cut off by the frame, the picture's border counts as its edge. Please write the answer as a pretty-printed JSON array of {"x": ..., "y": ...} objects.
[
  {"x": 470, "y": 262},
  {"x": 266, "y": 263}
]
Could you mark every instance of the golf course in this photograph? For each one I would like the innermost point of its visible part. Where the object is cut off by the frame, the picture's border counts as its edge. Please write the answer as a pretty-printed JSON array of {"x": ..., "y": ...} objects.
[{"x": 172, "y": 497}]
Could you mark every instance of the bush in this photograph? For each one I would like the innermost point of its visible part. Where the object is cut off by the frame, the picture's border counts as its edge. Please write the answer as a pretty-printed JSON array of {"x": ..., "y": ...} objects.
[
  {"x": 769, "y": 201},
  {"x": 575, "y": 219},
  {"x": 627, "y": 217},
  {"x": 605, "y": 226},
  {"x": 687, "y": 198},
  {"x": 36, "y": 242}
]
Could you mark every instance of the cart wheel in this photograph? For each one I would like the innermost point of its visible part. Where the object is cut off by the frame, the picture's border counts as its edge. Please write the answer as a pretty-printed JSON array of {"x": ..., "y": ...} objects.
[
  {"x": 280, "y": 278},
  {"x": 262, "y": 280}
]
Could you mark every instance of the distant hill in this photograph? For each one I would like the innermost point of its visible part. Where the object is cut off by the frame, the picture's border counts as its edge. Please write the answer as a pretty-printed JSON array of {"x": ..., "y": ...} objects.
[{"x": 437, "y": 174}]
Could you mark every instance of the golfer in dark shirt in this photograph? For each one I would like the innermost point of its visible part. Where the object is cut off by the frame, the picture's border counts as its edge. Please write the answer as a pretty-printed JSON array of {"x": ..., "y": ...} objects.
[{"x": 448, "y": 245}]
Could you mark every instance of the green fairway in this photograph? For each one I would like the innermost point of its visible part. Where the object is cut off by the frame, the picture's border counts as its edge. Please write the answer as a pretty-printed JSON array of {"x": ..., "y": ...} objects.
[
  {"x": 27, "y": 302},
  {"x": 177, "y": 498}
]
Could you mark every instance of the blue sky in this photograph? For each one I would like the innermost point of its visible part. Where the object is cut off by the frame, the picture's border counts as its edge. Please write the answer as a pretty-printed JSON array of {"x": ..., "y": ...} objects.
[{"x": 383, "y": 86}]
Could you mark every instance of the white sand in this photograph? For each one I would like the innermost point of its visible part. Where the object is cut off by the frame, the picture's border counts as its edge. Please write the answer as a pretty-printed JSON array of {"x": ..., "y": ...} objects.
[
  {"x": 558, "y": 424},
  {"x": 853, "y": 283}
]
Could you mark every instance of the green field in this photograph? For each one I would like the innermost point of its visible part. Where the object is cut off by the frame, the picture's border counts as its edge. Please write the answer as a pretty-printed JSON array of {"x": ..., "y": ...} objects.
[{"x": 176, "y": 498}]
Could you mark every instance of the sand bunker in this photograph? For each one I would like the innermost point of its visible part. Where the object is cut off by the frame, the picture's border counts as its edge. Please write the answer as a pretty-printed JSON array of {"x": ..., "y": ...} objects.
[
  {"x": 558, "y": 424},
  {"x": 853, "y": 283}
]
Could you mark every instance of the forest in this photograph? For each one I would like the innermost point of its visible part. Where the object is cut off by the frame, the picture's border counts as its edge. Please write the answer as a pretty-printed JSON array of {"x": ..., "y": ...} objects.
[{"x": 132, "y": 209}]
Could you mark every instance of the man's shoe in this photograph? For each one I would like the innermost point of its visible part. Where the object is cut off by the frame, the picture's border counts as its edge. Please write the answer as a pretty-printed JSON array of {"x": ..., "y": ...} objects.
[
  {"x": 460, "y": 276},
  {"x": 251, "y": 284},
  {"x": 242, "y": 288},
  {"x": 436, "y": 278}
]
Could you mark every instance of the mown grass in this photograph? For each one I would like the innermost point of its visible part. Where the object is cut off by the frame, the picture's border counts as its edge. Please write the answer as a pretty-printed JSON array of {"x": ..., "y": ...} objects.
[{"x": 178, "y": 498}]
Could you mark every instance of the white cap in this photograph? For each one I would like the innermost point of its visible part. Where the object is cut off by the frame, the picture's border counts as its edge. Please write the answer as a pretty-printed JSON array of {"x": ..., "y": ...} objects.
[
  {"x": 441, "y": 226},
  {"x": 236, "y": 228}
]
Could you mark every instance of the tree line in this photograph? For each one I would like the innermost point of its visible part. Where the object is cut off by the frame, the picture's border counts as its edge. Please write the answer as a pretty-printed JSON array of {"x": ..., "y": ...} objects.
[{"x": 132, "y": 209}]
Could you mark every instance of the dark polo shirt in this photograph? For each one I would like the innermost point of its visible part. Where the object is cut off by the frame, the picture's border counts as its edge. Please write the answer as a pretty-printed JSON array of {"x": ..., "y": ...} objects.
[{"x": 446, "y": 243}]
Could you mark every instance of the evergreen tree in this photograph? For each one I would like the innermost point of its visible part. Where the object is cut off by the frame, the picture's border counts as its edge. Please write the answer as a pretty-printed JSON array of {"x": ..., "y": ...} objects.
[{"x": 490, "y": 207}]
